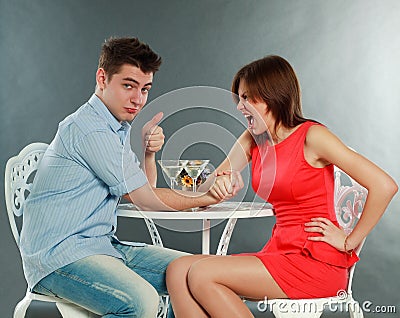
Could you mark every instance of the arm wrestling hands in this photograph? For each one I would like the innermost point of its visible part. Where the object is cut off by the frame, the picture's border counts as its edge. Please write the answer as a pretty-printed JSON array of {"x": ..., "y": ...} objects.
[{"x": 226, "y": 183}]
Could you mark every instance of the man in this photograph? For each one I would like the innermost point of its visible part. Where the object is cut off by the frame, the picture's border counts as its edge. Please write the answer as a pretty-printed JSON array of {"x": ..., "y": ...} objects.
[{"x": 68, "y": 245}]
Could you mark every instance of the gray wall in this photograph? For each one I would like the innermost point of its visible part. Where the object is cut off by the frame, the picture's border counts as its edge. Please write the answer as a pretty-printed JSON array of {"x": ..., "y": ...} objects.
[{"x": 345, "y": 53}]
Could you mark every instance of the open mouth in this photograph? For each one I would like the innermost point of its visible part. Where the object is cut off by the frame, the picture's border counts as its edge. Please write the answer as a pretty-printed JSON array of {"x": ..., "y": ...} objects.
[{"x": 250, "y": 120}]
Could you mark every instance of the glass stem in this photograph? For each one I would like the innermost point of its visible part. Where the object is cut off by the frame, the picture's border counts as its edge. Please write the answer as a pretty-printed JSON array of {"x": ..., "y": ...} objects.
[
  {"x": 194, "y": 185},
  {"x": 172, "y": 183},
  {"x": 194, "y": 190}
]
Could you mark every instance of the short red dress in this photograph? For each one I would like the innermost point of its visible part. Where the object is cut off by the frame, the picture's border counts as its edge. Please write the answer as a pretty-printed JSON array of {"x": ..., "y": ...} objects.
[{"x": 298, "y": 192}]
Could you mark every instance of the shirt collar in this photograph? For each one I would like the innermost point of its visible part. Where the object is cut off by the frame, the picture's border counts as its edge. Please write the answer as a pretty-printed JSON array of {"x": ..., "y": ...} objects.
[{"x": 103, "y": 111}]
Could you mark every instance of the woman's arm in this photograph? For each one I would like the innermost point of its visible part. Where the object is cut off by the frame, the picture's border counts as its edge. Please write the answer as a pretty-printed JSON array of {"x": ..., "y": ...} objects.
[
  {"x": 239, "y": 156},
  {"x": 323, "y": 147}
]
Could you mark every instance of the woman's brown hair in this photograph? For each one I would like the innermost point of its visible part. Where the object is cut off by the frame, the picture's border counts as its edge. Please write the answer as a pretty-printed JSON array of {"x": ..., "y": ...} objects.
[{"x": 272, "y": 80}]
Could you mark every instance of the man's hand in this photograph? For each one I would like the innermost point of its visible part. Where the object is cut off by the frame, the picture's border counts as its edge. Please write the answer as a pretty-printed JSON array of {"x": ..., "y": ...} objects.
[
  {"x": 152, "y": 134},
  {"x": 227, "y": 184}
]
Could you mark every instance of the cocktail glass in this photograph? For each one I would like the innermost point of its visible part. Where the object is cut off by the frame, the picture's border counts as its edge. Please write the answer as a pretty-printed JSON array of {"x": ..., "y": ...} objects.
[
  {"x": 194, "y": 168},
  {"x": 172, "y": 169}
]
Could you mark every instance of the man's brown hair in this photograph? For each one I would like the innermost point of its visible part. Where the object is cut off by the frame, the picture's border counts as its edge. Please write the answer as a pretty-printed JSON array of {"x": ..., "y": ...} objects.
[{"x": 116, "y": 52}]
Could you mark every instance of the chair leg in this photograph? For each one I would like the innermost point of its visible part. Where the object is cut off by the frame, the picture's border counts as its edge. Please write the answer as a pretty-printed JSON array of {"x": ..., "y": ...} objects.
[
  {"x": 355, "y": 310},
  {"x": 22, "y": 306},
  {"x": 69, "y": 310}
]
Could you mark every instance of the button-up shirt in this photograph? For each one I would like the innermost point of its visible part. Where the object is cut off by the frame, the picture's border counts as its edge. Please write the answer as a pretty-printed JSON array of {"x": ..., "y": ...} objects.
[{"x": 71, "y": 211}]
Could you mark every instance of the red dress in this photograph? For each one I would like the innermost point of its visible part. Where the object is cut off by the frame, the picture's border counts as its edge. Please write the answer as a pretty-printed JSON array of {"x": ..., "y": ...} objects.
[{"x": 298, "y": 192}]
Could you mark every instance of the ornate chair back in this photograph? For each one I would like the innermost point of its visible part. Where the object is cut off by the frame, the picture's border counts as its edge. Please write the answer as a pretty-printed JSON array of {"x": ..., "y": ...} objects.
[{"x": 19, "y": 175}]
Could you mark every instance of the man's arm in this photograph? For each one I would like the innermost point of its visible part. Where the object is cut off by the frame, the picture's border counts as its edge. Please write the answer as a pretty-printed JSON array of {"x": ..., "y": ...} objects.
[
  {"x": 164, "y": 199},
  {"x": 149, "y": 168}
]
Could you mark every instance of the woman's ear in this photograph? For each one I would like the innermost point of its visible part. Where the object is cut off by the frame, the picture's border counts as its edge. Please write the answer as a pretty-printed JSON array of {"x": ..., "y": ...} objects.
[{"x": 267, "y": 109}]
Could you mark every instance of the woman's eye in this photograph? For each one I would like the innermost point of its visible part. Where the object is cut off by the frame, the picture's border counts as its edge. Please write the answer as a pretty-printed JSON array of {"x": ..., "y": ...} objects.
[{"x": 243, "y": 99}]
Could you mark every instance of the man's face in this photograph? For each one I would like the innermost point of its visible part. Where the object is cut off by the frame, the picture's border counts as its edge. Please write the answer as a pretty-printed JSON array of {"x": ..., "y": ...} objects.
[{"x": 125, "y": 93}]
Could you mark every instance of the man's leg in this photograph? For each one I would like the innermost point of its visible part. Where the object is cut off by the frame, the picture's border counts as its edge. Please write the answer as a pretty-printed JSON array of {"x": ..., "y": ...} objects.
[
  {"x": 103, "y": 285},
  {"x": 151, "y": 263}
]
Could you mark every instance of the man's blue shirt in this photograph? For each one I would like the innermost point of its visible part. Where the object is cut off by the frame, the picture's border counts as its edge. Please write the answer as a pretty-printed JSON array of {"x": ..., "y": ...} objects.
[{"x": 71, "y": 211}]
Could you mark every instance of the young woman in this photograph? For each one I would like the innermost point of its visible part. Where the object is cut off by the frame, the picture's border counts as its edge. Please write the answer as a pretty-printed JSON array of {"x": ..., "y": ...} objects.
[{"x": 308, "y": 254}]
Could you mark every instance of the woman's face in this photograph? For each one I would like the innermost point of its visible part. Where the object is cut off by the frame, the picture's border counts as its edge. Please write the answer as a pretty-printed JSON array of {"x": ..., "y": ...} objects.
[{"x": 258, "y": 117}]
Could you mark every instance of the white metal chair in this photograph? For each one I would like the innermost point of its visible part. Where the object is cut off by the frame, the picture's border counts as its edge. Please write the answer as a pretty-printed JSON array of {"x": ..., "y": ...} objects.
[
  {"x": 19, "y": 174},
  {"x": 349, "y": 198}
]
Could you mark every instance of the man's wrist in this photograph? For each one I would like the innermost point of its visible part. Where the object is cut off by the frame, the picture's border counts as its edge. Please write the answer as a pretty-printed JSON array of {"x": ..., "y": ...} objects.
[{"x": 149, "y": 156}]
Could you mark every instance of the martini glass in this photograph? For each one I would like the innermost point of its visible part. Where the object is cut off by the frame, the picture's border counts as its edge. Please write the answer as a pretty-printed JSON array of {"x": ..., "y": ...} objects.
[
  {"x": 194, "y": 168},
  {"x": 172, "y": 169}
]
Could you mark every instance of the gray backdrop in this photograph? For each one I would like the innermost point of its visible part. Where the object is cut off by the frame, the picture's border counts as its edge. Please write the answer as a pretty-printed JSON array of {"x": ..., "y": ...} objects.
[{"x": 345, "y": 54}]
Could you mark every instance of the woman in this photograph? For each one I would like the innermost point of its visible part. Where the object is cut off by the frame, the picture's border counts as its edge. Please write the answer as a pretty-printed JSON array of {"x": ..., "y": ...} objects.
[{"x": 308, "y": 254}]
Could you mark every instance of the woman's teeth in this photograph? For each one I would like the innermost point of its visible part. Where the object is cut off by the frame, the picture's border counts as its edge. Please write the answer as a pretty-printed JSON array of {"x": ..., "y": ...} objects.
[{"x": 250, "y": 120}]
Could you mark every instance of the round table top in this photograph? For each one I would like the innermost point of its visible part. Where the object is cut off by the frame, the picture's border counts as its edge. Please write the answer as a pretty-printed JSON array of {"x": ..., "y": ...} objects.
[{"x": 223, "y": 210}]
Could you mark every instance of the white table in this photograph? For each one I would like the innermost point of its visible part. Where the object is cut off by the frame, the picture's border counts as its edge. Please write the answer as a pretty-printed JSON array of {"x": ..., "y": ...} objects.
[
  {"x": 226, "y": 210},
  {"x": 232, "y": 211}
]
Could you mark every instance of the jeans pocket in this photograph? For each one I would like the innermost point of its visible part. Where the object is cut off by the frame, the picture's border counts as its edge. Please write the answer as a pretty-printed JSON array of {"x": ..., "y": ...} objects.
[{"x": 40, "y": 289}]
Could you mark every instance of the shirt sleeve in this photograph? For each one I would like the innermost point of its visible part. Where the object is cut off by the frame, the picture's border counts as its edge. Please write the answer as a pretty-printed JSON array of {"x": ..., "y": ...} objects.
[{"x": 115, "y": 164}]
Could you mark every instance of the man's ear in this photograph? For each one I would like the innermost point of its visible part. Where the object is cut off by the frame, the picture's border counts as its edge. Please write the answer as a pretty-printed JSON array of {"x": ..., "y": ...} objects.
[{"x": 101, "y": 78}]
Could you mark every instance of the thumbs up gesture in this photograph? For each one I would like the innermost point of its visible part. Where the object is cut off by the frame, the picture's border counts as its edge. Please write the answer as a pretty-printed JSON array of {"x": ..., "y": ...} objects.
[{"x": 152, "y": 134}]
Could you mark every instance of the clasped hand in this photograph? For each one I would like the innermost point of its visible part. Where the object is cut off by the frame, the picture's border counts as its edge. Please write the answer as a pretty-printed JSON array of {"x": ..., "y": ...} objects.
[
  {"x": 330, "y": 233},
  {"x": 227, "y": 184}
]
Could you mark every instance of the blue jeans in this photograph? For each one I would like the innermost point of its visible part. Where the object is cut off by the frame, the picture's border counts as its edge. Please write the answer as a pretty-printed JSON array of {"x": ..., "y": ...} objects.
[{"x": 113, "y": 287}]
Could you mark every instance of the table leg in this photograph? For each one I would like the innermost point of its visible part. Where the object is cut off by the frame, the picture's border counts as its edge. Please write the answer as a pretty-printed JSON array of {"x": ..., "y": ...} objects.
[
  {"x": 155, "y": 236},
  {"x": 205, "y": 245}
]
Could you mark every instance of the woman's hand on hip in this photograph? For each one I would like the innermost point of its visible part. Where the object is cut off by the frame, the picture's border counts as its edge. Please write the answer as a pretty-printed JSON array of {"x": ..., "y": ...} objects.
[{"x": 329, "y": 232}]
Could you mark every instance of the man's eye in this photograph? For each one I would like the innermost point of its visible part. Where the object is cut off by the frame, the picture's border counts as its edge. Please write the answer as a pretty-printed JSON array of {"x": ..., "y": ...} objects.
[
  {"x": 127, "y": 85},
  {"x": 145, "y": 90}
]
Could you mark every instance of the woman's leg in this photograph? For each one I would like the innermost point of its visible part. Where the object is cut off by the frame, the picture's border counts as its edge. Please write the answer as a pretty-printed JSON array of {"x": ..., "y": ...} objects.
[
  {"x": 182, "y": 301},
  {"x": 103, "y": 285},
  {"x": 216, "y": 282}
]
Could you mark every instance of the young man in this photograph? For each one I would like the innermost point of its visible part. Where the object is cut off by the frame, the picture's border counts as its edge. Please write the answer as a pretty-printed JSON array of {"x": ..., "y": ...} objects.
[{"x": 68, "y": 245}]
